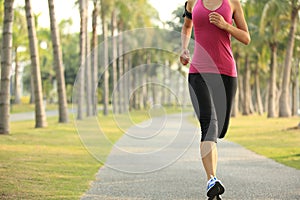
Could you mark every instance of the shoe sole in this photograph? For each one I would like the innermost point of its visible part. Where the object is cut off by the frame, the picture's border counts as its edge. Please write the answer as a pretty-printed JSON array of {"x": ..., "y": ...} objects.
[
  {"x": 216, "y": 190},
  {"x": 215, "y": 198}
]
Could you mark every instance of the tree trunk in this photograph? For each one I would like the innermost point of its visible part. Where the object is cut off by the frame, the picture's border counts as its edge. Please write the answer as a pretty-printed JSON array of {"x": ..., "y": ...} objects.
[
  {"x": 135, "y": 83},
  {"x": 284, "y": 101},
  {"x": 247, "y": 87},
  {"x": 125, "y": 84},
  {"x": 129, "y": 81},
  {"x": 6, "y": 66},
  {"x": 165, "y": 82},
  {"x": 88, "y": 78},
  {"x": 32, "y": 100},
  {"x": 114, "y": 63},
  {"x": 272, "y": 82},
  {"x": 259, "y": 104},
  {"x": 241, "y": 93},
  {"x": 170, "y": 95},
  {"x": 95, "y": 60},
  {"x": 80, "y": 89},
  {"x": 235, "y": 104},
  {"x": 58, "y": 66},
  {"x": 17, "y": 89},
  {"x": 105, "y": 63},
  {"x": 40, "y": 115},
  {"x": 142, "y": 88},
  {"x": 295, "y": 88},
  {"x": 120, "y": 72},
  {"x": 185, "y": 88}
]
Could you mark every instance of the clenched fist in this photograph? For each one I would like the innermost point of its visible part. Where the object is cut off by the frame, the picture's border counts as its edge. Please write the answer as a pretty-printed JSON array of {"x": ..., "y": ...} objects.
[{"x": 185, "y": 57}]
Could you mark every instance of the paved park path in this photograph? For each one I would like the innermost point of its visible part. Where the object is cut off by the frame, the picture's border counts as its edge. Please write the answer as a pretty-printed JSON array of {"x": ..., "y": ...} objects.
[
  {"x": 30, "y": 115},
  {"x": 144, "y": 164}
]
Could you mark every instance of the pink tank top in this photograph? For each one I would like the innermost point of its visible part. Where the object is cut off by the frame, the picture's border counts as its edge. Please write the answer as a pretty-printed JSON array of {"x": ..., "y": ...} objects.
[{"x": 212, "y": 52}]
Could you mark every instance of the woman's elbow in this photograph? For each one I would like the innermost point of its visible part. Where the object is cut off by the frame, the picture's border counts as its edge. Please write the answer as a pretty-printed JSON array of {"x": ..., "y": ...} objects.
[{"x": 247, "y": 40}]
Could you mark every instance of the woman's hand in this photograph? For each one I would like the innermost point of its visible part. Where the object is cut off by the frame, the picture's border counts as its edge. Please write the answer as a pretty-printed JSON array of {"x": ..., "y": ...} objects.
[
  {"x": 185, "y": 57},
  {"x": 218, "y": 20}
]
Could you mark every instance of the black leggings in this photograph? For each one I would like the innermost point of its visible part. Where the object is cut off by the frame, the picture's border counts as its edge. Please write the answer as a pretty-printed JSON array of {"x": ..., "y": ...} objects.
[{"x": 212, "y": 96}]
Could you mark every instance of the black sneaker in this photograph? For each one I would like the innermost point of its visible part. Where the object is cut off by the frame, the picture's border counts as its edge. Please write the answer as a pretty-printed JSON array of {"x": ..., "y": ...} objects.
[
  {"x": 218, "y": 197},
  {"x": 214, "y": 188}
]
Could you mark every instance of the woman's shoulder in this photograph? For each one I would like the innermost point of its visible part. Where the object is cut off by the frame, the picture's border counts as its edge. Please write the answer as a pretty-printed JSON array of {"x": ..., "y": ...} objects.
[
  {"x": 191, "y": 1},
  {"x": 235, "y": 3},
  {"x": 236, "y": 6},
  {"x": 191, "y": 4}
]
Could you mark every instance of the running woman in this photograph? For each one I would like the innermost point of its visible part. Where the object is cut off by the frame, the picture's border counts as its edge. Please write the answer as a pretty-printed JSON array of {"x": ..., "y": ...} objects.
[{"x": 212, "y": 73}]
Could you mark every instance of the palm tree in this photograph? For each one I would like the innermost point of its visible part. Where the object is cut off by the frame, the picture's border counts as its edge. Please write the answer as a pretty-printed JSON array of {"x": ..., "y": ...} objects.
[
  {"x": 141, "y": 15},
  {"x": 19, "y": 40},
  {"x": 258, "y": 50},
  {"x": 105, "y": 9},
  {"x": 295, "y": 87},
  {"x": 94, "y": 57},
  {"x": 40, "y": 115},
  {"x": 88, "y": 79},
  {"x": 6, "y": 66},
  {"x": 58, "y": 65},
  {"x": 247, "y": 86},
  {"x": 270, "y": 28},
  {"x": 114, "y": 55},
  {"x": 80, "y": 89},
  {"x": 284, "y": 101},
  {"x": 295, "y": 75},
  {"x": 120, "y": 69}
]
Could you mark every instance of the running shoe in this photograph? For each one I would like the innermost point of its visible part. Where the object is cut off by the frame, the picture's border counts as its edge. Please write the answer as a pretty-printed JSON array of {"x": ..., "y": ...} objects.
[
  {"x": 218, "y": 197},
  {"x": 214, "y": 187}
]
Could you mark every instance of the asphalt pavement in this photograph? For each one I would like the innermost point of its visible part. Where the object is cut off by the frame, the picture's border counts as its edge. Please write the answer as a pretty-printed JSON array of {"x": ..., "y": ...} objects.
[{"x": 159, "y": 160}]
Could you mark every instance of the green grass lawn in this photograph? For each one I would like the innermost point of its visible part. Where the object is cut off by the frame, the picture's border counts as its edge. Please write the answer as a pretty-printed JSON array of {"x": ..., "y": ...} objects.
[
  {"x": 49, "y": 163},
  {"x": 52, "y": 163},
  {"x": 274, "y": 138}
]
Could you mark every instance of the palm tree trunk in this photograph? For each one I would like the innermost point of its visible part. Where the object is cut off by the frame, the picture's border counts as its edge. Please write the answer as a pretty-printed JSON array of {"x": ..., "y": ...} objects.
[
  {"x": 129, "y": 80},
  {"x": 114, "y": 63},
  {"x": 259, "y": 104},
  {"x": 164, "y": 90},
  {"x": 40, "y": 115},
  {"x": 235, "y": 104},
  {"x": 95, "y": 60},
  {"x": 284, "y": 101},
  {"x": 6, "y": 66},
  {"x": 247, "y": 87},
  {"x": 241, "y": 93},
  {"x": 170, "y": 85},
  {"x": 58, "y": 66},
  {"x": 185, "y": 87},
  {"x": 80, "y": 89},
  {"x": 120, "y": 71},
  {"x": 32, "y": 99},
  {"x": 142, "y": 88},
  {"x": 135, "y": 83},
  {"x": 272, "y": 82},
  {"x": 17, "y": 89},
  {"x": 105, "y": 62},
  {"x": 125, "y": 84},
  {"x": 88, "y": 78},
  {"x": 295, "y": 88}
]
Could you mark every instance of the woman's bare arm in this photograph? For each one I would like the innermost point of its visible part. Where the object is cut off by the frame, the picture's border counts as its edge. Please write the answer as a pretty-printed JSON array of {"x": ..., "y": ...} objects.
[
  {"x": 186, "y": 34},
  {"x": 240, "y": 32}
]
